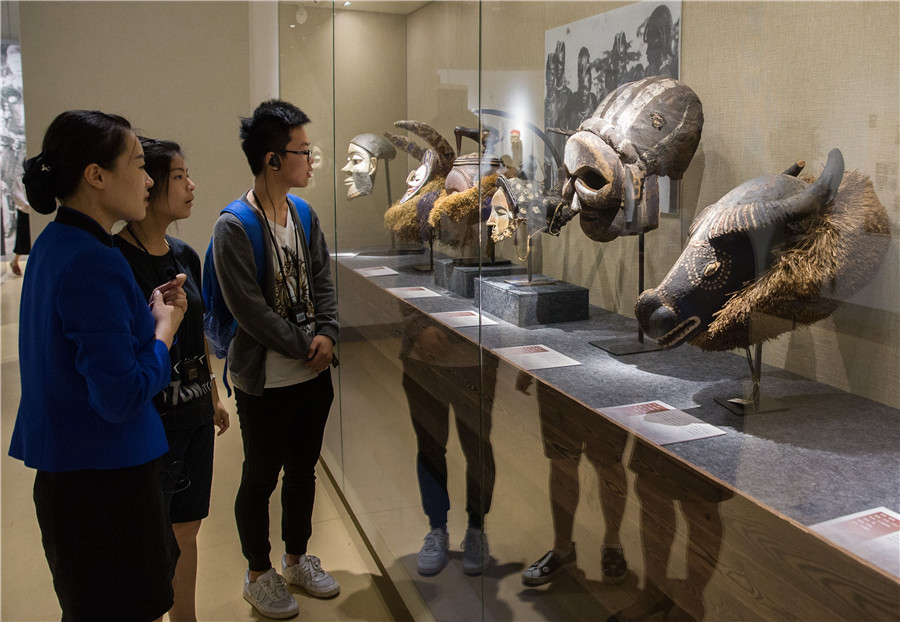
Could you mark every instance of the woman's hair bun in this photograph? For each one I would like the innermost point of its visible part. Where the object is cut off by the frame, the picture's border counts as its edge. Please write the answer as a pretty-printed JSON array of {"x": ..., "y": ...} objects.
[{"x": 38, "y": 182}]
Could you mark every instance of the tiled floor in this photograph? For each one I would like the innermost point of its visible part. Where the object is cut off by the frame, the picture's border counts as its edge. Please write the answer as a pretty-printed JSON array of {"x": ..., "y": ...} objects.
[{"x": 25, "y": 583}]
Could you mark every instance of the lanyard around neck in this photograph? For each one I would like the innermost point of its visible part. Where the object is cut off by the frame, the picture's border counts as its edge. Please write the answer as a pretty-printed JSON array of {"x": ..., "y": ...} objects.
[{"x": 272, "y": 237}]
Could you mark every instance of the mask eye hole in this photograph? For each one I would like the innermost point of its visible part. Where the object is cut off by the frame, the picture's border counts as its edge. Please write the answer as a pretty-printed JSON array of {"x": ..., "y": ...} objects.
[{"x": 711, "y": 268}]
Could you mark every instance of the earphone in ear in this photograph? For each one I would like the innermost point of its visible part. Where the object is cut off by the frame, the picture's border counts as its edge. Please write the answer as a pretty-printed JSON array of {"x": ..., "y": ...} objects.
[{"x": 275, "y": 162}]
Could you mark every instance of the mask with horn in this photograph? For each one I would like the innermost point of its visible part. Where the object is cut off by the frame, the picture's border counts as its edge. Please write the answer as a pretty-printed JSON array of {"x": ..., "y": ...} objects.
[
  {"x": 408, "y": 217},
  {"x": 774, "y": 253}
]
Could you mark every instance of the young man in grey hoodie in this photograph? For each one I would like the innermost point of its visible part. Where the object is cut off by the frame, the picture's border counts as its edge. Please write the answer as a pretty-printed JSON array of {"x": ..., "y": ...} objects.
[{"x": 279, "y": 358}]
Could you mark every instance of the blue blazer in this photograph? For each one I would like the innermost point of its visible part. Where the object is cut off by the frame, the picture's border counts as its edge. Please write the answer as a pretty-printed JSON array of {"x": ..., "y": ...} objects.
[{"x": 89, "y": 362}]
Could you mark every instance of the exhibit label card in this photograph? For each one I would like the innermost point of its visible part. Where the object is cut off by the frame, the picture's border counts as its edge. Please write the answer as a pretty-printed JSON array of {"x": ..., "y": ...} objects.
[
  {"x": 457, "y": 319},
  {"x": 412, "y": 292},
  {"x": 376, "y": 271},
  {"x": 661, "y": 423},
  {"x": 535, "y": 357},
  {"x": 872, "y": 534}
]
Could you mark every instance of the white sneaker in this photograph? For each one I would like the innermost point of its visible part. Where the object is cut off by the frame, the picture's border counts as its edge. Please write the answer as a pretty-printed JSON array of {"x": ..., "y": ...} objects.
[
  {"x": 309, "y": 575},
  {"x": 476, "y": 553},
  {"x": 269, "y": 596},
  {"x": 433, "y": 555}
]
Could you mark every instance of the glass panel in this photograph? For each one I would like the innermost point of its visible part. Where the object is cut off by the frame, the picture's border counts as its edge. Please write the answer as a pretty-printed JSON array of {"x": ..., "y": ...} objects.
[
  {"x": 705, "y": 501},
  {"x": 306, "y": 77}
]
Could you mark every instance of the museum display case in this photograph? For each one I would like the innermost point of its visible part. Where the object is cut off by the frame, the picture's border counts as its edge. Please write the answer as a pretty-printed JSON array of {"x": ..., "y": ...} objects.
[{"x": 515, "y": 197}]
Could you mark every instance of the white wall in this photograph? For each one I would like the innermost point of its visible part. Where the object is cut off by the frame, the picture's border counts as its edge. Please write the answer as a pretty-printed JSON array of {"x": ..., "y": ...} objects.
[{"x": 176, "y": 70}]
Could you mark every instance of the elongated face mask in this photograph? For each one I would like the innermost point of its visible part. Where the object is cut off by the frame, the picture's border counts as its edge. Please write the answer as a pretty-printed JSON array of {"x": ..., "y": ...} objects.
[{"x": 361, "y": 167}]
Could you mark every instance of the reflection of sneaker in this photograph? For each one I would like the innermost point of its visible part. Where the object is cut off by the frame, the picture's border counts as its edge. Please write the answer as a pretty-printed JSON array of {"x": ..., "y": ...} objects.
[
  {"x": 433, "y": 555},
  {"x": 548, "y": 568},
  {"x": 308, "y": 574},
  {"x": 476, "y": 553},
  {"x": 612, "y": 564},
  {"x": 269, "y": 596}
]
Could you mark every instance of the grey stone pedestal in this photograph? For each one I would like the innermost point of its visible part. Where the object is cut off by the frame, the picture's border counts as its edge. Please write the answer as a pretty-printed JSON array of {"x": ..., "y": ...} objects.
[
  {"x": 550, "y": 302},
  {"x": 460, "y": 279}
]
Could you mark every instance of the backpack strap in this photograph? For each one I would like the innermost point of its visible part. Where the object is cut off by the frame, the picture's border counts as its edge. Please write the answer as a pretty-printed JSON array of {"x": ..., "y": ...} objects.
[
  {"x": 252, "y": 227},
  {"x": 303, "y": 211}
]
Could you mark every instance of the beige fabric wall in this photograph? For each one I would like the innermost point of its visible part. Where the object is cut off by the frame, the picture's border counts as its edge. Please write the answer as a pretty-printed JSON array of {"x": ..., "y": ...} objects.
[
  {"x": 306, "y": 79},
  {"x": 176, "y": 70},
  {"x": 808, "y": 77},
  {"x": 369, "y": 94},
  {"x": 779, "y": 82}
]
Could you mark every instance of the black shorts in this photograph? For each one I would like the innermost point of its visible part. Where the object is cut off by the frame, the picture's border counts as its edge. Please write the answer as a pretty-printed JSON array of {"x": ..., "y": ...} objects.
[
  {"x": 108, "y": 541},
  {"x": 187, "y": 472},
  {"x": 570, "y": 429}
]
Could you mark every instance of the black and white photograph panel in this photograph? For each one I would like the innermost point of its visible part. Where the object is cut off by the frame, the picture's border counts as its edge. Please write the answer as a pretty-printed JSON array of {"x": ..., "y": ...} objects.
[
  {"x": 589, "y": 59},
  {"x": 12, "y": 141}
]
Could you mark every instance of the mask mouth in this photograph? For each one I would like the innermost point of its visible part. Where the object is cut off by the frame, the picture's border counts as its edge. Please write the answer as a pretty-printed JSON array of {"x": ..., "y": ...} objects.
[
  {"x": 595, "y": 178},
  {"x": 599, "y": 225},
  {"x": 680, "y": 333}
]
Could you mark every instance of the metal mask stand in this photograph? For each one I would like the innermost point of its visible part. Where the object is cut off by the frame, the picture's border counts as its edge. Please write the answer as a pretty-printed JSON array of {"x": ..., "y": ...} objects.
[
  {"x": 620, "y": 346},
  {"x": 427, "y": 267},
  {"x": 529, "y": 280},
  {"x": 753, "y": 401}
]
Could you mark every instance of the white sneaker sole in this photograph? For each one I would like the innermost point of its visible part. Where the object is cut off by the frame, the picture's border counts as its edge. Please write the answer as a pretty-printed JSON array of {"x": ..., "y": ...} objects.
[
  {"x": 321, "y": 594},
  {"x": 276, "y": 615}
]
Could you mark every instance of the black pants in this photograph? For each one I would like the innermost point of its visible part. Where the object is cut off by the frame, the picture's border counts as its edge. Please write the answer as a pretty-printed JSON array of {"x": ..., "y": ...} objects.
[
  {"x": 108, "y": 541},
  {"x": 430, "y": 391},
  {"x": 282, "y": 428},
  {"x": 23, "y": 233}
]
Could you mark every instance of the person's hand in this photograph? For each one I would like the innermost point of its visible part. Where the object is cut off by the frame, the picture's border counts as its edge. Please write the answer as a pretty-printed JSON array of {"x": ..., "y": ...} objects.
[
  {"x": 173, "y": 292},
  {"x": 168, "y": 317},
  {"x": 431, "y": 343},
  {"x": 320, "y": 353},
  {"x": 221, "y": 418},
  {"x": 523, "y": 381}
]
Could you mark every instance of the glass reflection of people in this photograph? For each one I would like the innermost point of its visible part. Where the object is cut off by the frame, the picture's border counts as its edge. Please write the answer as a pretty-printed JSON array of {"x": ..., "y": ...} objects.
[
  {"x": 190, "y": 406},
  {"x": 363, "y": 154},
  {"x": 441, "y": 370},
  {"x": 92, "y": 355},
  {"x": 660, "y": 482},
  {"x": 568, "y": 433}
]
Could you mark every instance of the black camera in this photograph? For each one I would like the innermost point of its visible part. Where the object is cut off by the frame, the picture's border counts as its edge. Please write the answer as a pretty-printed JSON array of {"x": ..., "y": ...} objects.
[
  {"x": 297, "y": 315},
  {"x": 190, "y": 370}
]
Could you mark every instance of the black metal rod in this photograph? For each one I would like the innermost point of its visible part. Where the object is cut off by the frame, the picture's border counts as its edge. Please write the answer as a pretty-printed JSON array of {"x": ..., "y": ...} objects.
[
  {"x": 640, "y": 278},
  {"x": 387, "y": 179}
]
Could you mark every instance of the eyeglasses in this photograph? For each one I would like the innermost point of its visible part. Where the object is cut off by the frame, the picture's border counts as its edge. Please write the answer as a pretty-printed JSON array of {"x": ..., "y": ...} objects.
[{"x": 305, "y": 152}]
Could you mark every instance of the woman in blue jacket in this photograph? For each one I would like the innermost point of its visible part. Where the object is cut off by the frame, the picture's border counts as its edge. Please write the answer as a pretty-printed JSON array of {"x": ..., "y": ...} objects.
[{"x": 92, "y": 354}]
